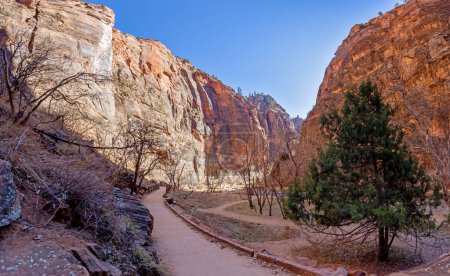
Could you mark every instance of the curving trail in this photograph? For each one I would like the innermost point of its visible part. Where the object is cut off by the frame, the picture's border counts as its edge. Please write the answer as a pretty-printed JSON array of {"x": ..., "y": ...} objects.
[
  {"x": 186, "y": 252},
  {"x": 272, "y": 221}
]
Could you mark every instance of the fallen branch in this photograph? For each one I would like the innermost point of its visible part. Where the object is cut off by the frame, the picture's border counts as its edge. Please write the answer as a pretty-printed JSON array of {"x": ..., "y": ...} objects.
[{"x": 42, "y": 132}]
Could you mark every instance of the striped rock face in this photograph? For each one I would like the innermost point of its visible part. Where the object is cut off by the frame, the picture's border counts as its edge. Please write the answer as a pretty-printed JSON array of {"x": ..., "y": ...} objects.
[
  {"x": 207, "y": 122},
  {"x": 406, "y": 53}
]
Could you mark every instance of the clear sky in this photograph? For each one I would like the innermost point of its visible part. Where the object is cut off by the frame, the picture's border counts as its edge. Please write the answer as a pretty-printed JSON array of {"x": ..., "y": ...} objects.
[{"x": 278, "y": 47}]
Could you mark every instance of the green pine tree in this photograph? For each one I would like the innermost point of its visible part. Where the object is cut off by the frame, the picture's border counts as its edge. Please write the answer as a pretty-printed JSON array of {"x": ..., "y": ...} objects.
[{"x": 366, "y": 177}]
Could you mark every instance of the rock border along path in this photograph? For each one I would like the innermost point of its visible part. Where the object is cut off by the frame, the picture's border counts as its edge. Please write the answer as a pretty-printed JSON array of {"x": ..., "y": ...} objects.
[
  {"x": 271, "y": 259},
  {"x": 186, "y": 252}
]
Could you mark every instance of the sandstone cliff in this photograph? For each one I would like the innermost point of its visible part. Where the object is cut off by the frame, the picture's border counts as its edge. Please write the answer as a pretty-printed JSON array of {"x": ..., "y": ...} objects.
[
  {"x": 275, "y": 121},
  {"x": 82, "y": 31},
  {"x": 207, "y": 122},
  {"x": 298, "y": 123},
  {"x": 406, "y": 53}
]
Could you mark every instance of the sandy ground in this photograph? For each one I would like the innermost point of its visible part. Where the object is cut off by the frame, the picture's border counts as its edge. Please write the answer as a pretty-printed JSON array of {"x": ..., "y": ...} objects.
[
  {"x": 186, "y": 252},
  {"x": 283, "y": 248},
  {"x": 428, "y": 249},
  {"x": 272, "y": 221}
]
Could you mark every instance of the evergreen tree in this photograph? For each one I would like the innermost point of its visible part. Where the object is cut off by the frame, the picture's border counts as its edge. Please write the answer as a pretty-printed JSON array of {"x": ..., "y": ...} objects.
[{"x": 365, "y": 178}]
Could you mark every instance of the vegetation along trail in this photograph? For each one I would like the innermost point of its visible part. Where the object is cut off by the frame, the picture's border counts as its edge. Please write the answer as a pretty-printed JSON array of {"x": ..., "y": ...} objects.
[
  {"x": 186, "y": 252},
  {"x": 273, "y": 221}
]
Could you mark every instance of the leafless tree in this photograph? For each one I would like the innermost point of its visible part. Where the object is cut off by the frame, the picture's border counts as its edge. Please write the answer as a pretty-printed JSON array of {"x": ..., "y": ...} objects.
[
  {"x": 248, "y": 168},
  {"x": 286, "y": 170},
  {"x": 428, "y": 121},
  {"x": 188, "y": 185},
  {"x": 212, "y": 173},
  {"x": 216, "y": 176},
  {"x": 38, "y": 73},
  {"x": 174, "y": 169},
  {"x": 268, "y": 183},
  {"x": 255, "y": 173},
  {"x": 214, "y": 183},
  {"x": 140, "y": 149}
]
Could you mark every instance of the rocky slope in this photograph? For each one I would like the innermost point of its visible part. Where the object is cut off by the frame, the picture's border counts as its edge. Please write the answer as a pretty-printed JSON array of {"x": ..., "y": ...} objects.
[
  {"x": 406, "y": 53},
  {"x": 207, "y": 122}
]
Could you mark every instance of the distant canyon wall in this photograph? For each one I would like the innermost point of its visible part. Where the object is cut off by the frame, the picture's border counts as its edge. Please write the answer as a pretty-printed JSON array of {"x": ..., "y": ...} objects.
[
  {"x": 406, "y": 53},
  {"x": 207, "y": 122}
]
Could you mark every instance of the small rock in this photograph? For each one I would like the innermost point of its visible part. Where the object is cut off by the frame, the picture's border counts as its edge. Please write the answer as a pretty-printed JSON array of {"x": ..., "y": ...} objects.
[
  {"x": 170, "y": 200},
  {"x": 38, "y": 237},
  {"x": 24, "y": 228},
  {"x": 265, "y": 251},
  {"x": 340, "y": 272}
]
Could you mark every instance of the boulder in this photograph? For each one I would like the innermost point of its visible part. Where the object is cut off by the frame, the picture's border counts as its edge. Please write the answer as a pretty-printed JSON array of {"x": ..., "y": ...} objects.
[
  {"x": 131, "y": 207},
  {"x": 40, "y": 260},
  {"x": 131, "y": 210},
  {"x": 94, "y": 265},
  {"x": 9, "y": 202}
]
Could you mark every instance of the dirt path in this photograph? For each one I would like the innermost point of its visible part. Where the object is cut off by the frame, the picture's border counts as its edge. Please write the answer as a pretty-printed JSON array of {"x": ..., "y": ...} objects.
[
  {"x": 186, "y": 252},
  {"x": 273, "y": 221}
]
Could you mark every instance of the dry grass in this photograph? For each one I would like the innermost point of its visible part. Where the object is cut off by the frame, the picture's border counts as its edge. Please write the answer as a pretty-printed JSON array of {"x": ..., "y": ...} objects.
[
  {"x": 204, "y": 200},
  {"x": 359, "y": 256},
  {"x": 57, "y": 176},
  {"x": 244, "y": 209},
  {"x": 66, "y": 189},
  {"x": 243, "y": 231}
]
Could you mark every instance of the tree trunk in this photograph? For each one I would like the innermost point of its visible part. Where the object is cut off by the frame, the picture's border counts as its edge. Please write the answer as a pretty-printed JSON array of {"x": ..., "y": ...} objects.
[
  {"x": 6, "y": 79},
  {"x": 270, "y": 204},
  {"x": 250, "y": 201},
  {"x": 383, "y": 244}
]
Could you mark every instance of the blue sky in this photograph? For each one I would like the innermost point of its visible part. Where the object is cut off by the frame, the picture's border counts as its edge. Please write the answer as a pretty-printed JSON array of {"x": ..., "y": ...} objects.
[{"x": 278, "y": 47}]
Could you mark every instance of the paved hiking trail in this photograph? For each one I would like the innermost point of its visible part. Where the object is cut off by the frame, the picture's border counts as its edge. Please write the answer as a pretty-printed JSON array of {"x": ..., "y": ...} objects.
[
  {"x": 185, "y": 252},
  {"x": 272, "y": 221}
]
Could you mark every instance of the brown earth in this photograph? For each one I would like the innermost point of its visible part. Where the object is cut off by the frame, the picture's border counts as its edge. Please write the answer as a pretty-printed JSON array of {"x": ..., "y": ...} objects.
[{"x": 317, "y": 250}]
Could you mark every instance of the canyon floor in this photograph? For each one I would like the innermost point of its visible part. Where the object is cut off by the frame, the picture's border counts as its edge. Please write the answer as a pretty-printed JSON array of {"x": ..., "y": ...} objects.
[
  {"x": 186, "y": 252},
  {"x": 229, "y": 215}
]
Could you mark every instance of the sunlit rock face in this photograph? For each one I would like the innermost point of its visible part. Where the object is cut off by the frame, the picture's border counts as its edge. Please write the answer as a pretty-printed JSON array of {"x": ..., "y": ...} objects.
[
  {"x": 298, "y": 123},
  {"x": 277, "y": 125},
  {"x": 405, "y": 50},
  {"x": 153, "y": 85},
  {"x": 207, "y": 122},
  {"x": 77, "y": 29}
]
